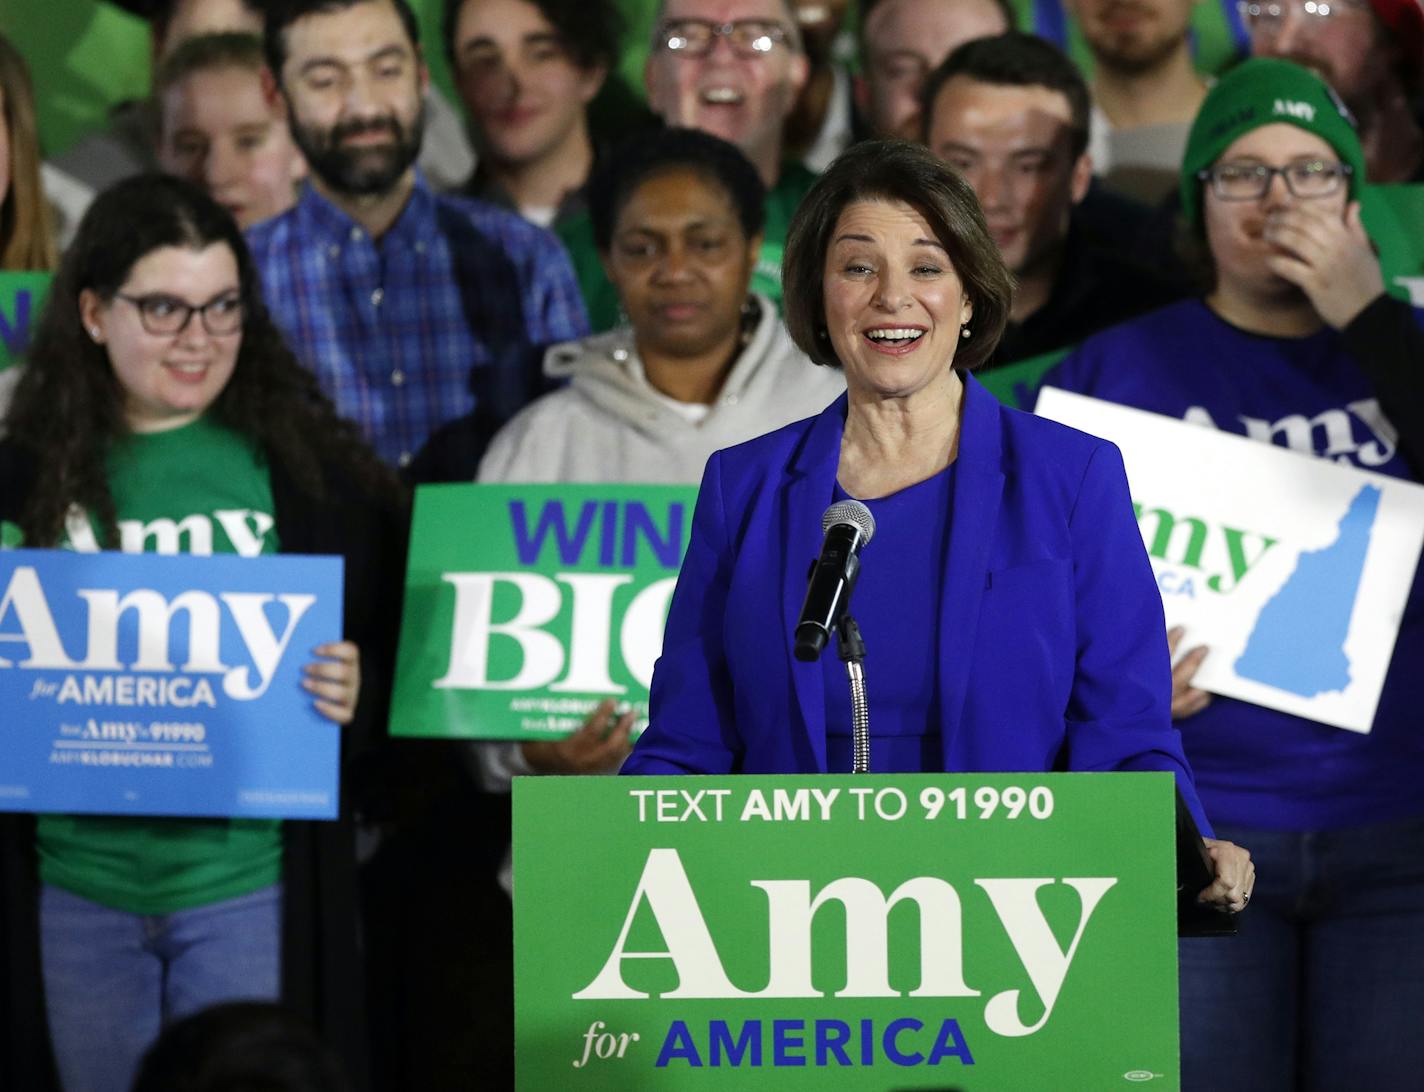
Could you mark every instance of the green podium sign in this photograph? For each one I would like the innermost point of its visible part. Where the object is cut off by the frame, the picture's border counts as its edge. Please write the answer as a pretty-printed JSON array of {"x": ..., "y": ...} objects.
[
  {"x": 527, "y": 605},
  {"x": 931, "y": 931}
]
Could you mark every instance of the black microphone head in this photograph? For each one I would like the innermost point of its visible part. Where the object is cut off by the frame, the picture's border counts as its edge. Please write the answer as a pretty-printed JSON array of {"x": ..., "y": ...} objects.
[{"x": 850, "y": 512}]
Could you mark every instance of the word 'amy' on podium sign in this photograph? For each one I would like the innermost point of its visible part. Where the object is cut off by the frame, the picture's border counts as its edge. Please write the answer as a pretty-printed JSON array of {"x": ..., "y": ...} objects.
[
  {"x": 527, "y": 605},
  {"x": 1005, "y": 931},
  {"x": 142, "y": 684},
  {"x": 1293, "y": 570}
]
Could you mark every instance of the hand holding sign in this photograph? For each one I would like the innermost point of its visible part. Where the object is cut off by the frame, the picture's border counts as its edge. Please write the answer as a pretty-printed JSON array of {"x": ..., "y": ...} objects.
[
  {"x": 335, "y": 680},
  {"x": 146, "y": 684},
  {"x": 1186, "y": 698},
  {"x": 595, "y": 748},
  {"x": 1294, "y": 572}
]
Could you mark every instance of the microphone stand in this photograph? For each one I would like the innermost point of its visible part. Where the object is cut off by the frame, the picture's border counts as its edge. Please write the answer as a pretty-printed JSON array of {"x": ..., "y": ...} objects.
[{"x": 852, "y": 652}]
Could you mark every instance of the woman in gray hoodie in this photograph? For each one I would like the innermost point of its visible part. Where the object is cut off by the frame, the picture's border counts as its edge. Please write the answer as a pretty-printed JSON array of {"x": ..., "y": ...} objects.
[{"x": 699, "y": 365}]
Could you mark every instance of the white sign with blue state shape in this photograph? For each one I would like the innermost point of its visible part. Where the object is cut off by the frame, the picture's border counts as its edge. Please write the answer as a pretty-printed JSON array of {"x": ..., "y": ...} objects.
[
  {"x": 140, "y": 684},
  {"x": 1293, "y": 570}
]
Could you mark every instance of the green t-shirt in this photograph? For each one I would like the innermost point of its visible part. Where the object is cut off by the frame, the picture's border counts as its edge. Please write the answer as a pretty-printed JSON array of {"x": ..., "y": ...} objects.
[
  {"x": 599, "y": 296},
  {"x": 199, "y": 489}
]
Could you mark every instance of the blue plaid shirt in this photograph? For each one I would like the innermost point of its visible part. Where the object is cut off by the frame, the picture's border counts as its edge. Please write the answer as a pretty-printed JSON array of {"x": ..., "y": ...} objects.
[{"x": 453, "y": 308}]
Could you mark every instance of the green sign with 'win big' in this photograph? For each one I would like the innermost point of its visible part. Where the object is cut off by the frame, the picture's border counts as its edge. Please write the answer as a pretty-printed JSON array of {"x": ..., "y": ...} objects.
[
  {"x": 1013, "y": 932},
  {"x": 527, "y": 605}
]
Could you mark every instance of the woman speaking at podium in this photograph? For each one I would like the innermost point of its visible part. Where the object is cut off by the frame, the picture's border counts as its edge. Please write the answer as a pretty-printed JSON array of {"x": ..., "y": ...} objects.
[{"x": 1006, "y": 601}]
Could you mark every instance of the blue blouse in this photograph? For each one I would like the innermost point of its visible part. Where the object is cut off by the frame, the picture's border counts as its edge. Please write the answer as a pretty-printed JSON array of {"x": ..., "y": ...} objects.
[{"x": 897, "y": 607}]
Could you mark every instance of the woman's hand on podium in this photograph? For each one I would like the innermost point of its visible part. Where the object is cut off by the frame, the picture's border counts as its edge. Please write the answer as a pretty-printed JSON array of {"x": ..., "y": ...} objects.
[
  {"x": 598, "y": 747},
  {"x": 1235, "y": 876}
]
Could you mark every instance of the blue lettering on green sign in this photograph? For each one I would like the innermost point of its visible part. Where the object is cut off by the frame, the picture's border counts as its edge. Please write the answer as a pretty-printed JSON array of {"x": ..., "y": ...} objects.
[
  {"x": 830, "y": 1040},
  {"x": 622, "y": 527},
  {"x": 15, "y": 327}
]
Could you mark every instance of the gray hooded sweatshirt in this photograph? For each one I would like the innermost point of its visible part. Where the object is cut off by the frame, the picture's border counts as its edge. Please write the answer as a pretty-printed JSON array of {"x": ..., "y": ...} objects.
[{"x": 610, "y": 425}]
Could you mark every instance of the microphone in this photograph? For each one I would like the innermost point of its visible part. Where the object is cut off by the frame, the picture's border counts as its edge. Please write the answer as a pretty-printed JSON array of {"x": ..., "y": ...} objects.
[{"x": 848, "y": 525}]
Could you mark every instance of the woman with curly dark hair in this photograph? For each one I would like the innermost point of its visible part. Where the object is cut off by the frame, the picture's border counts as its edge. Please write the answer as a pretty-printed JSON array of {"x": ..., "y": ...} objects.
[{"x": 158, "y": 389}]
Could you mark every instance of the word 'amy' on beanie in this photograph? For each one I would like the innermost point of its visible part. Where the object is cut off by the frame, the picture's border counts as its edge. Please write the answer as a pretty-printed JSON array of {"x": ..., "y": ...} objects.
[{"x": 1264, "y": 91}]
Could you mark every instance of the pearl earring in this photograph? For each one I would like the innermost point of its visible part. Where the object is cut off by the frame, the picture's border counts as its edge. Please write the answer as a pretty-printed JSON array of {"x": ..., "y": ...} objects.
[
  {"x": 94, "y": 332},
  {"x": 964, "y": 332}
]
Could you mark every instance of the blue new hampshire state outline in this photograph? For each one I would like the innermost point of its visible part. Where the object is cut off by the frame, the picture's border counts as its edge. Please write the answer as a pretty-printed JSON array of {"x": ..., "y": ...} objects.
[{"x": 1298, "y": 642}]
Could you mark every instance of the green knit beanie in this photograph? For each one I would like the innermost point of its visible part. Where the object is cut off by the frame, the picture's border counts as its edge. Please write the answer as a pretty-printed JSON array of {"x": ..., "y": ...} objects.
[{"x": 1262, "y": 91}]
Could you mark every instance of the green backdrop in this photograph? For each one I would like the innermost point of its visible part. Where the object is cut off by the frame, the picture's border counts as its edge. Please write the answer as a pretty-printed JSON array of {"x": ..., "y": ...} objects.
[{"x": 85, "y": 55}]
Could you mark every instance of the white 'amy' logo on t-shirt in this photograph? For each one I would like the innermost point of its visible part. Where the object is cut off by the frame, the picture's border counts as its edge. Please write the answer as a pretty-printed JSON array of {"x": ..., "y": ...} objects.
[
  {"x": 246, "y": 529},
  {"x": 1329, "y": 434}
]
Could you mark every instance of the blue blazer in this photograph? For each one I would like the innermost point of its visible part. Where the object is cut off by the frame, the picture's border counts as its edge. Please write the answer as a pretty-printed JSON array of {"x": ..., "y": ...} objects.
[{"x": 1057, "y": 653}]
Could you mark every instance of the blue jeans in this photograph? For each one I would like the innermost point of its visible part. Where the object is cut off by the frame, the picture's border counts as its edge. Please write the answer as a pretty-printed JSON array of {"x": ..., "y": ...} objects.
[
  {"x": 1324, "y": 987},
  {"x": 113, "y": 979}
]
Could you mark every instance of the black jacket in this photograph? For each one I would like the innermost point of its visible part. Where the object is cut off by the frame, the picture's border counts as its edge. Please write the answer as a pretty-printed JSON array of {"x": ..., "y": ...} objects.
[{"x": 1098, "y": 285}]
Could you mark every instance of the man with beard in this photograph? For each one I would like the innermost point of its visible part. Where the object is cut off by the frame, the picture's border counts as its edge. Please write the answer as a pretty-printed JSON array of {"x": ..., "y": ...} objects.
[
  {"x": 732, "y": 68},
  {"x": 1010, "y": 113},
  {"x": 1372, "y": 53},
  {"x": 126, "y": 144},
  {"x": 412, "y": 308},
  {"x": 1146, "y": 91}
]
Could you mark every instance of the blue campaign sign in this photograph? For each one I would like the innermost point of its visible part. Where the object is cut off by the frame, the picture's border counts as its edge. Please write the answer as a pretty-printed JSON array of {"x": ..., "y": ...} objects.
[{"x": 141, "y": 684}]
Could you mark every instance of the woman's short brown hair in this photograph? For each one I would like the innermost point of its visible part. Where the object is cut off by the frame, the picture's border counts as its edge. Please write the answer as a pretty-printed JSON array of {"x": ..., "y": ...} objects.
[{"x": 894, "y": 170}]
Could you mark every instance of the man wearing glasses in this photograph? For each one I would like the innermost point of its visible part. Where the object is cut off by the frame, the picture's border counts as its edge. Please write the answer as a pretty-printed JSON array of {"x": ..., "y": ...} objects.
[
  {"x": 1371, "y": 52},
  {"x": 732, "y": 68}
]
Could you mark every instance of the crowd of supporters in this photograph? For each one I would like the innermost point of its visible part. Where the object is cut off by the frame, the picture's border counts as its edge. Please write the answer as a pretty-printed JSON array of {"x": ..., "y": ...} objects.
[{"x": 1211, "y": 210}]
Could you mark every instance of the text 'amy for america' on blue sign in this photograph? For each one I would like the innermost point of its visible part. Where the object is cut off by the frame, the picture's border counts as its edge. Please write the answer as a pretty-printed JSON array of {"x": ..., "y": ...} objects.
[{"x": 153, "y": 685}]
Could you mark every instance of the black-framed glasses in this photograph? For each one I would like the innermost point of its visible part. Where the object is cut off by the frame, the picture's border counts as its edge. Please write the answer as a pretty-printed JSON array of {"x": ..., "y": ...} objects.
[
  {"x": 164, "y": 315},
  {"x": 1307, "y": 178},
  {"x": 697, "y": 37}
]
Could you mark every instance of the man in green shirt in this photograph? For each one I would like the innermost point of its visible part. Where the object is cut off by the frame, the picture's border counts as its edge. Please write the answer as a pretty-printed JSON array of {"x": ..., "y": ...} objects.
[{"x": 732, "y": 68}]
